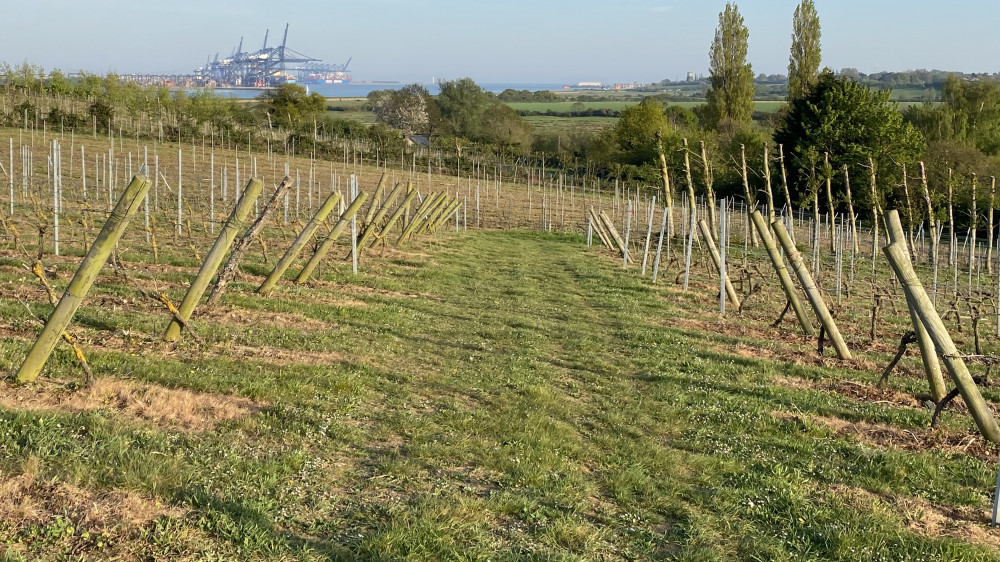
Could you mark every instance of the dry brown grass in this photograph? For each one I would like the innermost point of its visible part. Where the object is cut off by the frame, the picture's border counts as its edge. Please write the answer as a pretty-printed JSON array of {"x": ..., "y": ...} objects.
[
  {"x": 966, "y": 524},
  {"x": 887, "y": 437},
  {"x": 241, "y": 317},
  {"x": 168, "y": 407},
  {"x": 27, "y": 498}
]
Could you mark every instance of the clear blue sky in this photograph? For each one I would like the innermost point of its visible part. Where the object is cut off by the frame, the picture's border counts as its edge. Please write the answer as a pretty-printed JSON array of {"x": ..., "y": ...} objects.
[{"x": 554, "y": 41}]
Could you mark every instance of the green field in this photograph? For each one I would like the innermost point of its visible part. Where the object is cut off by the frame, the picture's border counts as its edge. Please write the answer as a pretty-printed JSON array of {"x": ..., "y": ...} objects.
[
  {"x": 568, "y": 106},
  {"x": 554, "y": 124}
]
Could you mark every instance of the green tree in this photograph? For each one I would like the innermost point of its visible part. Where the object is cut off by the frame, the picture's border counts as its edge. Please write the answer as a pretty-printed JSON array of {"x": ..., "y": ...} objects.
[
  {"x": 969, "y": 113},
  {"x": 803, "y": 64},
  {"x": 462, "y": 104},
  {"x": 289, "y": 106},
  {"x": 503, "y": 127},
  {"x": 634, "y": 135},
  {"x": 58, "y": 84},
  {"x": 730, "y": 94},
  {"x": 851, "y": 123},
  {"x": 404, "y": 109}
]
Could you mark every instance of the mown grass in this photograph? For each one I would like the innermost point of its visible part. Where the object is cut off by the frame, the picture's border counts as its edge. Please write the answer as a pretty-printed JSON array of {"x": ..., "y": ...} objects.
[{"x": 487, "y": 395}]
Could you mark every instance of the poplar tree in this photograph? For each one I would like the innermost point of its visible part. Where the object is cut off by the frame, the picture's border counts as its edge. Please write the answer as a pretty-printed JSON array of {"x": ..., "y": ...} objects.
[
  {"x": 730, "y": 95},
  {"x": 803, "y": 64}
]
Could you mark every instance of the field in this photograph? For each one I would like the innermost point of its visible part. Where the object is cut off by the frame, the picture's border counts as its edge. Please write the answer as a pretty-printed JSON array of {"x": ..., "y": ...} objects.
[
  {"x": 501, "y": 393},
  {"x": 561, "y": 122}
]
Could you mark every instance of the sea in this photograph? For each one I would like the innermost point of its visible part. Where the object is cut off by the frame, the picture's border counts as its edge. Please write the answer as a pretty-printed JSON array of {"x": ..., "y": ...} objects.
[{"x": 362, "y": 89}]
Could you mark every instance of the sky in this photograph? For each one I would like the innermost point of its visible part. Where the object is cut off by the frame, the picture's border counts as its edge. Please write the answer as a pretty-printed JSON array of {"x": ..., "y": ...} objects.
[{"x": 514, "y": 41}]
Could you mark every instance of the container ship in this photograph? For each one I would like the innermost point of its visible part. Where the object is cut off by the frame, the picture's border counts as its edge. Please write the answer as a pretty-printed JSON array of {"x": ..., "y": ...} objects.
[{"x": 336, "y": 77}]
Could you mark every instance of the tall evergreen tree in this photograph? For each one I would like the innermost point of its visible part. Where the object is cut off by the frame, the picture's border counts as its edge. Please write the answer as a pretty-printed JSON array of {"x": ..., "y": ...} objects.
[
  {"x": 730, "y": 96},
  {"x": 803, "y": 64}
]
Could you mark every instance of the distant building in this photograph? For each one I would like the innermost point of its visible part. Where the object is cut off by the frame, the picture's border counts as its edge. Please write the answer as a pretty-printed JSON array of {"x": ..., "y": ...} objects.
[
  {"x": 691, "y": 77},
  {"x": 589, "y": 85}
]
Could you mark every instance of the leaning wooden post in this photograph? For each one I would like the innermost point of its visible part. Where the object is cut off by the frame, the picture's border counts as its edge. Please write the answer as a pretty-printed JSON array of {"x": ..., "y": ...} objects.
[
  {"x": 303, "y": 238},
  {"x": 321, "y": 252},
  {"x": 714, "y": 252},
  {"x": 602, "y": 233},
  {"x": 445, "y": 215},
  {"x": 900, "y": 263},
  {"x": 372, "y": 223},
  {"x": 379, "y": 188},
  {"x": 422, "y": 220},
  {"x": 228, "y": 272},
  {"x": 609, "y": 227},
  {"x": 403, "y": 208},
  {"x": 812, "y": 291},
  {"x": 927, "y": 353},
  {"x": 779, "y": 267},
  {"x": 434, "y": 214},
  {"x": 84, "y": 278},
  {"x": 418, "y": 216},
  {"x": 214, "y": 258}
]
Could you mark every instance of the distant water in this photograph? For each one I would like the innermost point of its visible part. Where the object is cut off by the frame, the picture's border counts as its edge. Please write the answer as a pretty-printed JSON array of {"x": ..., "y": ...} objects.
[{"x": 356, "y": 90}]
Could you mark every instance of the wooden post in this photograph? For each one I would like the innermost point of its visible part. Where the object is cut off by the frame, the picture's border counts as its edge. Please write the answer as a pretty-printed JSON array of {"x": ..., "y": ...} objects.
[
  {"x": 980, "y": 411},
  {"x": 952, "y": 239},
  {"x": 784, "y": 185},
  {"x": 434, "y": 214},
  {"x": 974, "y": 225},
  {"x": 229, "y": 269},
  {"x": 372, "y": 222},
  {"x": 690, "y": 182},
  {"x": 659, "y": 245},
  {"x": 668, "y": 198},
  {"x": 767, "y": 185},
  {"x": 324, "y": 248},
  {"x": 84, "y": 278},
  {"x": 812, "y": 291},
  {"x": 303, "y": 238},
  {"x": 404, "y": 207},
  {"x": 649, "y": 236},
  {"x": 933, "y": 225},
  {"x": 602, "y": 232},
  {"x": 214, "y": 259},
  {"x": 714, "y": 253},
  {"x": 709, "y": 190},
  {"x": 927, "y": 353},
  {"x": 783, "y": 277},
  {"x": 989, "y": 220},
  {"x": 376, "y": 201},
  {"x": 609, "y": 225},
  {"x": 419, "y": 216},
  {"x": 751, "y": 202},
  {"x": 831, "y": 207}
]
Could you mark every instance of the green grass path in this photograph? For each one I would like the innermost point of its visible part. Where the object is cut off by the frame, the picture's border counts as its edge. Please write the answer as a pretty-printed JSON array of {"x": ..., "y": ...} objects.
[{"x": 503, "y": 396}]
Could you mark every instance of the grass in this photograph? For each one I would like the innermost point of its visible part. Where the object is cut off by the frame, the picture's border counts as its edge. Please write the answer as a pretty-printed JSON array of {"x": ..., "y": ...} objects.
[
  {"x": 485, "y": 395},
  {"x": 493, "y": 395}
]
